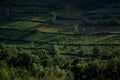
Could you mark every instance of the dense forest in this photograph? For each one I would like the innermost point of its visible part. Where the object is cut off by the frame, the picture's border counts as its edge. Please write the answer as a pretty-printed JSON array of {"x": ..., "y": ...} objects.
[
  {"x": 59, "y": 39},
  {"x": 16, "y": 64}
]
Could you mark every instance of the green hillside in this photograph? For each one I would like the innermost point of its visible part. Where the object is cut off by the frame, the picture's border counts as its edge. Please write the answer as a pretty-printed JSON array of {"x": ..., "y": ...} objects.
[{"x": 59, "y": 40}]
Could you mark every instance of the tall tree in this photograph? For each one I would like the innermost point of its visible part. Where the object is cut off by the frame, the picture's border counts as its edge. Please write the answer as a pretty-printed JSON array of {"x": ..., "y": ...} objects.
[{"x": 52, "y": 17}]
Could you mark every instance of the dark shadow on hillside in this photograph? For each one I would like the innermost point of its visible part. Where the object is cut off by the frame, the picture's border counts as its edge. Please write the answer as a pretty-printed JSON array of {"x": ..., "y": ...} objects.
[
  {"x": 13, "y": 29},
  {"x": 37, "y": 42},
  {"x": 4, "y": 22},
  {"x": 78, "y": 55},
  {"x": 84, "y": 23},
  {"x": 30, "y": 32},
  {"x": 115, "y": 37},
  {"x": 27, "y": 14},
  {"x": 8, "y": 40},
  {"x": 30, "y": 48},
  {"x": 88, "y": 56}
]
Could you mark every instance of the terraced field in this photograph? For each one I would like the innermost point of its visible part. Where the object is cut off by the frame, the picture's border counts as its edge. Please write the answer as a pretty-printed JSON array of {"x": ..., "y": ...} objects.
[{"x": 29, "y": 29}]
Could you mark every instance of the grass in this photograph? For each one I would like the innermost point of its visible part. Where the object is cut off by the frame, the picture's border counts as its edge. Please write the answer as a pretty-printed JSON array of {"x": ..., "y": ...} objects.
[{"x": 20, "y": 25}]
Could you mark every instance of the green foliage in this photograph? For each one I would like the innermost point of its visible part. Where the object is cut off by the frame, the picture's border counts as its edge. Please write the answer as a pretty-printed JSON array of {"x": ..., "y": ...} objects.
[
  {"x": 36, "y": 65},
  {"x": 58, "y": 62},
  {"x": 37, "y": 70},
  {"x": 115, "y": 53},
  {"x": 3, "y": 64},
  {"x": 22, "y": 59},
  {"x": 46, "y": 62},
  {"x": 52, "y": 17},
  {"x": 3, "y": 51},
  {"x": 42, "y": 53},
  {"x": 77, "y": 61},
  {"x": 113, "y": 69},
  {"x": 60, "y": 30},
  {"x": 53, "y": 49},
  {"x": 3, "y": 48},
  {"x": 55, "y": 73},
  {"x": 78, "y": 67},
  {"x": 94, "y": 70},
  {"x": 4, "y": 74}
]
